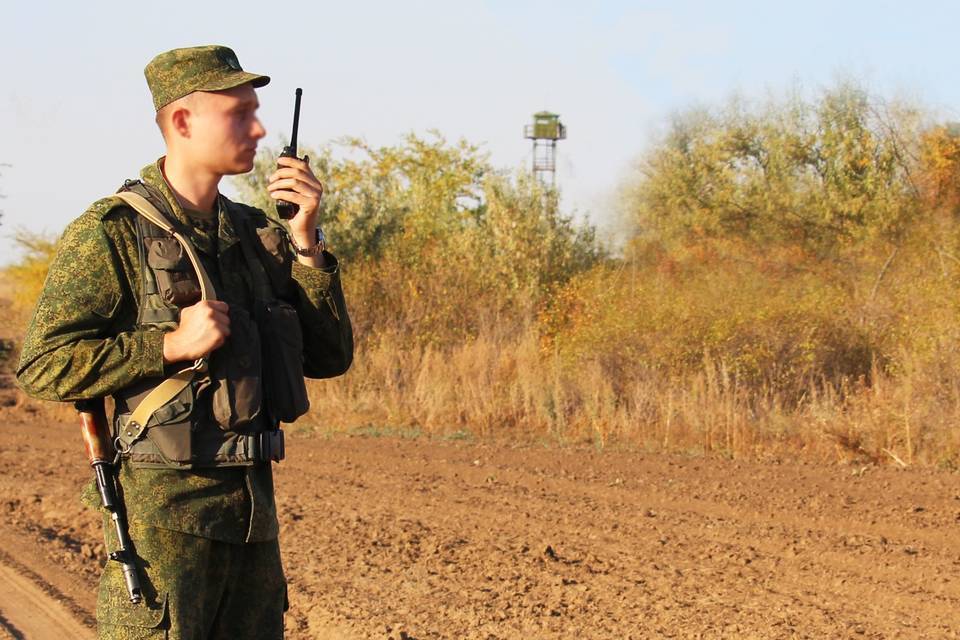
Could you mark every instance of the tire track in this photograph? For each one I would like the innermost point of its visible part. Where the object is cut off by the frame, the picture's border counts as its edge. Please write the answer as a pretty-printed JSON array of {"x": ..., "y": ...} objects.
[{"x": 29, "y": 612}]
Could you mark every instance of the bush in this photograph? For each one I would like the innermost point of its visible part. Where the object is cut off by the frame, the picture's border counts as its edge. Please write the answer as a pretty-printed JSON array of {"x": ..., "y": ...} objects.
[
  {"x": 26, "y": 276},
  {"x": 822, "y": 175},
  {"x": 436, "y": 244}
]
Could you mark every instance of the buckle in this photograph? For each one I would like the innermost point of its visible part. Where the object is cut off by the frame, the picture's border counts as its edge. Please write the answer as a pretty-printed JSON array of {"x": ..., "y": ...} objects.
[{"x": 271, "y": 446}]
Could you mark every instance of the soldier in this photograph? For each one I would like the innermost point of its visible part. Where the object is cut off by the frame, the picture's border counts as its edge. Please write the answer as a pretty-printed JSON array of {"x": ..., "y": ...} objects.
[{"x": 125, "y": 309}]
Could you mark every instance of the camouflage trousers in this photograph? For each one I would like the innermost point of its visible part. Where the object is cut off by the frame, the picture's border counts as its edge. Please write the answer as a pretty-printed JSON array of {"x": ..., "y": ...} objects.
[{"x": 194, "y": 589}]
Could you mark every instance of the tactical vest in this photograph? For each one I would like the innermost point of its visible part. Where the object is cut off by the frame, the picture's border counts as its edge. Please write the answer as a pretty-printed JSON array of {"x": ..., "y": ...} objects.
[{"x": 219, "y": 418}]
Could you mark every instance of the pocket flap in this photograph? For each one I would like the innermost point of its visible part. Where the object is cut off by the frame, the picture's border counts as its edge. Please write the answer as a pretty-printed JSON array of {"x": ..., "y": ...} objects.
[
  {"x": 148, "y": 614},
  {"x": 167, "y": 254}
]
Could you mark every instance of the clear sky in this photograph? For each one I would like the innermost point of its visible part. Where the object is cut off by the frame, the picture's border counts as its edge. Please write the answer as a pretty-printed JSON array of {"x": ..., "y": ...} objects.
[{"x": 76, "y": 117}]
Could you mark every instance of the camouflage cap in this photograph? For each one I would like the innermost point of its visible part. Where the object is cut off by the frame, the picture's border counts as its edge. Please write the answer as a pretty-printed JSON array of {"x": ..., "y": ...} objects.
[{"x": 178, "y": 72}]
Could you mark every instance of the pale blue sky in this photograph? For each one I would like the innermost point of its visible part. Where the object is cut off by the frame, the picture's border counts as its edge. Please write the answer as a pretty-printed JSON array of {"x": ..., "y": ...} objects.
[{"x": 76, "y": 117}]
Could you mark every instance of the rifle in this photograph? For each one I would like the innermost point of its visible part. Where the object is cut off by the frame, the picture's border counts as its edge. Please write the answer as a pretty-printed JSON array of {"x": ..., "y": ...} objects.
[
  {"x": 287, "y": 210},
  {"x": 93, "y": 428}
]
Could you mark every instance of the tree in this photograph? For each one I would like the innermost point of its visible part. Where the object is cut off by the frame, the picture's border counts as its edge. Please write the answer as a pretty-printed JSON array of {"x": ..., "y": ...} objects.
[
  {"x": 817, "y": 174},
  {"x": 939, "y": 172},
  {"x": 37, "y": 251},
  {"x": 437, "y": 241}
]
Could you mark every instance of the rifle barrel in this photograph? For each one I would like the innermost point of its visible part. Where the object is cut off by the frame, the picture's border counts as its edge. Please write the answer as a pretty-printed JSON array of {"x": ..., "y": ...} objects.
[{"x": 95, "y": 432}]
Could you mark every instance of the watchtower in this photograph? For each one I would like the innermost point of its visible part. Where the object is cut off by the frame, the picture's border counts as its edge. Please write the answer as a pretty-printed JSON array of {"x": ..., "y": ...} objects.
[{"x": 545, "y": 131}]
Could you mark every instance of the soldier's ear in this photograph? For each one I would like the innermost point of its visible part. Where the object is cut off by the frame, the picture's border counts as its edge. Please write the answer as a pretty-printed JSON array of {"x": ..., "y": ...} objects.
[
  {"x": 175, "y": 119},
  {"x": 179, "y": 122}
]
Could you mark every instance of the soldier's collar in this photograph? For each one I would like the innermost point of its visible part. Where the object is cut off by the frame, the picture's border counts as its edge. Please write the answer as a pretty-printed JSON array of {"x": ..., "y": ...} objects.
[{"x": 152, "y": 174}]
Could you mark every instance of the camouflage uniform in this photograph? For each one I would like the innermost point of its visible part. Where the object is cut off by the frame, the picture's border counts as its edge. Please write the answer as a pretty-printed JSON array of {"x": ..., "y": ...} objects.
[{"x": 206, "y": 539}]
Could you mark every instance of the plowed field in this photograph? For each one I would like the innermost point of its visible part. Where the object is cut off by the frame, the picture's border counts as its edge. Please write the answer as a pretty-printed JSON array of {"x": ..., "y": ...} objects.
[{"x": 393, "y": 538}]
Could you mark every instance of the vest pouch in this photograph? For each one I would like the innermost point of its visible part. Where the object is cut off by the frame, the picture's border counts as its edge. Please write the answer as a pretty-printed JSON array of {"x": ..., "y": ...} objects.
[
  {"x": 284, "y": 388},
  {"x": 235, "y": 370},
  {"x": 170, "y": 434},
  {"x": 176, "y": 280}
]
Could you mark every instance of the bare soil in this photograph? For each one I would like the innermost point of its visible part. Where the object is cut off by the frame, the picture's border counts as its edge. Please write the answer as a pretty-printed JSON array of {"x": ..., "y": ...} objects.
[{"x": 394, "y": 538}]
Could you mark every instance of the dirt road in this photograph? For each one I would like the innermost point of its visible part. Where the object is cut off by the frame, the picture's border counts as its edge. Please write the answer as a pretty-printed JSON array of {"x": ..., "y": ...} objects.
[
  {"x": 393, "y": 538},
  {"x": 29, "y": 611}
]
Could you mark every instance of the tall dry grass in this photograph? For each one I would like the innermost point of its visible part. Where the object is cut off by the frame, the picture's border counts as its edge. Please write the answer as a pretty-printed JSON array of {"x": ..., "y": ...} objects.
[{"x": 504, "y": 387}]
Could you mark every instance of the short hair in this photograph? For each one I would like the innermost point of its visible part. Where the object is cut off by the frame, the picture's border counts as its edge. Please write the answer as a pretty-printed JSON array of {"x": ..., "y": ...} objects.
[{"x": 163, "y": 115}]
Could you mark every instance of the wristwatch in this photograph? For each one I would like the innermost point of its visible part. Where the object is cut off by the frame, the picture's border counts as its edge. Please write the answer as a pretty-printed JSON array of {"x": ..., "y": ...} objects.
[{"x": 315, "y": 250}]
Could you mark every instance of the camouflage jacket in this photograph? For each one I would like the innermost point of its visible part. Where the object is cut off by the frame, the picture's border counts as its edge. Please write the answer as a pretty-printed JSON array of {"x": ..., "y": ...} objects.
[{"x": 84, "y": 342}]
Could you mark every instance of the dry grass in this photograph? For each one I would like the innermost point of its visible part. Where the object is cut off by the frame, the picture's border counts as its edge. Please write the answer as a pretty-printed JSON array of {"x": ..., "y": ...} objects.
[
  {"x": 720, "y": 350},
  {"x": 507, "y": 389}
]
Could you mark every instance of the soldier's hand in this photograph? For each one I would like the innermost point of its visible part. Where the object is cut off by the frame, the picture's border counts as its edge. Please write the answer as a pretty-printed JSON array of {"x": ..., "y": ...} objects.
[
  {"x": 203, "y": 327},
  {"x": 294, "y": 182}
]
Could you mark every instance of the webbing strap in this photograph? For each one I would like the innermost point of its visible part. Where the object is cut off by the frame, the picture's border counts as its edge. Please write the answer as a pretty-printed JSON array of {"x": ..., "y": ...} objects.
[
  {"x": 159, "y": 396},
  {"x": 172, "y": 386}
]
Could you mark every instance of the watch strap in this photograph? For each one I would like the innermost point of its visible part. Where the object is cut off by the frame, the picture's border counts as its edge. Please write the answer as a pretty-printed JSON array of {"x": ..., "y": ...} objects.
[{"x": 309, "y": 252}]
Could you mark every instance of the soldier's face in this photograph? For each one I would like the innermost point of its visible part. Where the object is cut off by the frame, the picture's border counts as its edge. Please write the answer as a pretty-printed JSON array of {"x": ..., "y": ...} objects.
[{"x": 224, "y": 130}]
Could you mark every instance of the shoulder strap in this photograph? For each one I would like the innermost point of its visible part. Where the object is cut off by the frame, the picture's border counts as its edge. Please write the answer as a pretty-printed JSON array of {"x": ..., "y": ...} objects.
[{"x": 173, "y": 385}]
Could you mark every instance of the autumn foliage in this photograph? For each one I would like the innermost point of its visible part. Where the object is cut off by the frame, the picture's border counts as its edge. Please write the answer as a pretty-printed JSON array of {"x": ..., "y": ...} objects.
[{"x": 788, "y": 285}]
